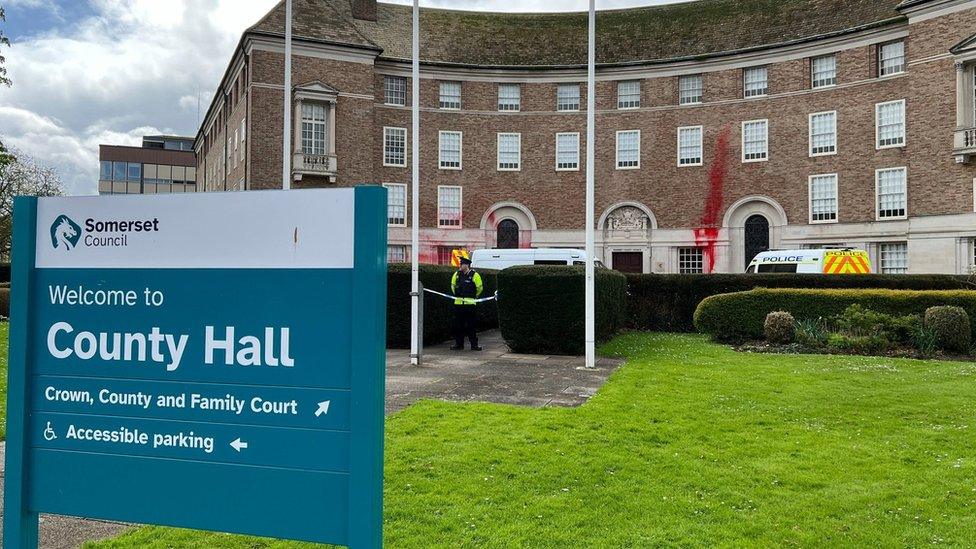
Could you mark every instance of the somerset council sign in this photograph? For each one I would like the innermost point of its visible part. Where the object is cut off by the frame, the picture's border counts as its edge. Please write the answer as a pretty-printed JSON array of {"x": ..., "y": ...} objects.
[{"x": 209, "y": 361}]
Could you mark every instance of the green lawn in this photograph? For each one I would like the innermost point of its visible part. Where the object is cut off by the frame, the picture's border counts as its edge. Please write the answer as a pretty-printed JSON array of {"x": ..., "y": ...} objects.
[{"x": 689, "y": 444}]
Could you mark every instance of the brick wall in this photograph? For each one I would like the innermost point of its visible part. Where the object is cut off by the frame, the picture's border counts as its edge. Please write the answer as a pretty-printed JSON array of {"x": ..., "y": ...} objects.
[{"x": 676, "y": 195}]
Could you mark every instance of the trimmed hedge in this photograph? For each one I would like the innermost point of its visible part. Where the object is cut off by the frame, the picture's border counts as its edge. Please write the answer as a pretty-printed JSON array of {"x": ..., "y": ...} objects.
[
  {"x": 667, "y": 303},
  {"x": 741, "y": 315},
  {"x": 541, "y": 308},
  {"x": 438, "y": 311}
]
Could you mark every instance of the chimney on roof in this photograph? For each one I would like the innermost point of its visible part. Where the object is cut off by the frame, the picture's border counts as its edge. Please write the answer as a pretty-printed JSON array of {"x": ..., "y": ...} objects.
[{"x": 364, "y": 9}]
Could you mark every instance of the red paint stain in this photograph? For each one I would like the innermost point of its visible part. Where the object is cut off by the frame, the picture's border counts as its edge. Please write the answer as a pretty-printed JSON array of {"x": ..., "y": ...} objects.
[{"x": 706, "y": 234}]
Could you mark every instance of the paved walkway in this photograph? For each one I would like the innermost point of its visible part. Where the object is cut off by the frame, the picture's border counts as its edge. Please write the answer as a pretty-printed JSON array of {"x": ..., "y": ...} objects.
[{"x": 491, "y": 375}]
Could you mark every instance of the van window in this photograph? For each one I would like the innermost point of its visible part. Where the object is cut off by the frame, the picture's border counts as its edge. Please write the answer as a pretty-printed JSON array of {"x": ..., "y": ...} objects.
[
  {"x": 778, "y": 268},
  {"x": 751, "y": 269},
  {"x": 550, "y": 262}
]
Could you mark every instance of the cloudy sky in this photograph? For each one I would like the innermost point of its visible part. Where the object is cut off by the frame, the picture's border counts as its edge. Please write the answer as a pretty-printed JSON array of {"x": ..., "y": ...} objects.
[{"x": 109, "y": 71}]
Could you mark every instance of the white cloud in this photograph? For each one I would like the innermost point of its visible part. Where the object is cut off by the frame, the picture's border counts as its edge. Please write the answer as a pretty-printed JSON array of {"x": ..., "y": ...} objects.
[{"x": 135, "y": 67}]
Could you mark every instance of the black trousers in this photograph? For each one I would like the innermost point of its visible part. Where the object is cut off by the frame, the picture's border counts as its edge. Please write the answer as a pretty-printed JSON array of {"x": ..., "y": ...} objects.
[{"x": 466, "y": 324}]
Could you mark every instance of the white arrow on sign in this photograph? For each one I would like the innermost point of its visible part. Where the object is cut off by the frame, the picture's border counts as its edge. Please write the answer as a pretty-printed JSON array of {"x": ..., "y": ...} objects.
[
  {"x": 323, "y": 408},
  {"x": 238, "y": 445}
]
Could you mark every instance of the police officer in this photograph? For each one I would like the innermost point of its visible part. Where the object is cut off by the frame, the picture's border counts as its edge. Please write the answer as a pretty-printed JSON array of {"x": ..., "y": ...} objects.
[{"x": 466, "y": 286}]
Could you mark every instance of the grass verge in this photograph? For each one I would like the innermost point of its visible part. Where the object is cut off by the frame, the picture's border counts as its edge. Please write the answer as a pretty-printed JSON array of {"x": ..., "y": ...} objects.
[{"x": 689, "y": 444}]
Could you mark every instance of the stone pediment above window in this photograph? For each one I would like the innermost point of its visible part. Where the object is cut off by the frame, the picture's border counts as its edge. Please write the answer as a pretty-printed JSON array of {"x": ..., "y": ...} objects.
[
  {"x": 966, "y": 48},
  {"x": 316, "y": 90}
]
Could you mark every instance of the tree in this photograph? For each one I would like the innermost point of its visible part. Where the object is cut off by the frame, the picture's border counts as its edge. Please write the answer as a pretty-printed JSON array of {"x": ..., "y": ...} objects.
[
  {"x": 4, "y": 41},
  {"x": 21, "y": 176}
]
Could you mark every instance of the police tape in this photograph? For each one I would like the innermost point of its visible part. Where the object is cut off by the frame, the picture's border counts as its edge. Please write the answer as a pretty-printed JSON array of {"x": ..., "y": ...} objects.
[{"x": 451, "y": 297}]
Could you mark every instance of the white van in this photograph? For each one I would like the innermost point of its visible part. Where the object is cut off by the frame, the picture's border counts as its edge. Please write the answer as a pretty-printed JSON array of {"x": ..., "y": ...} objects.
[
  {"x": 499, "y": 259},
  {"x": 820, "y": 261}
]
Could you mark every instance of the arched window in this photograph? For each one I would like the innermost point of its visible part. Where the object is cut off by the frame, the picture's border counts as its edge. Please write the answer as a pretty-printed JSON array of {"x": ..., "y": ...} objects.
[
  {"x": 756, "y": 237},
  {"x": 507, "y": 234}
]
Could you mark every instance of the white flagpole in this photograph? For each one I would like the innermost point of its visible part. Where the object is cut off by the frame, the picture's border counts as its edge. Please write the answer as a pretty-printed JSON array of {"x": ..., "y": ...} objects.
[
  {"x": 286, "y": 127},
  {"x": 590, "y": 194},
  {"x": 416, "y": 341}
]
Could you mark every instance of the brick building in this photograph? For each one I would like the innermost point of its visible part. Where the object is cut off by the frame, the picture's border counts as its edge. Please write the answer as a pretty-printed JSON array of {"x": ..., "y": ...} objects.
[{"x": 723, "y": 127}]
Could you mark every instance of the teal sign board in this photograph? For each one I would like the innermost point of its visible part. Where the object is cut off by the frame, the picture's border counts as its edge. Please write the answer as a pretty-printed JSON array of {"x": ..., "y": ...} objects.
[{"x": 209, "y": 361}]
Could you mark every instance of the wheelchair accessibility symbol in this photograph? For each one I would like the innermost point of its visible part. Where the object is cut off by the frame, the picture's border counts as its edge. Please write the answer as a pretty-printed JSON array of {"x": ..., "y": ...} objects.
[{"x": 49, "y": 433}]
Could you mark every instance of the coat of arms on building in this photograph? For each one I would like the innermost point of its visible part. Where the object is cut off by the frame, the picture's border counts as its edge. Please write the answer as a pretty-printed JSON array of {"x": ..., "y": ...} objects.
[{"x": 627, "y": 222}]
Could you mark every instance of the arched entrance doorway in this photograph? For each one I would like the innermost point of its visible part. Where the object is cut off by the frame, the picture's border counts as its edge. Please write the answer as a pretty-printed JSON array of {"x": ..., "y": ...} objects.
[
  {"x": 507, "y": 234},
  {"x": 756, "y": 236}
]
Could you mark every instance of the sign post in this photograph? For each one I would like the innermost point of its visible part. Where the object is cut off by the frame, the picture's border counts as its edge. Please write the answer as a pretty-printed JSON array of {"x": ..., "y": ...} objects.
[{"x": 200, "y": 361}]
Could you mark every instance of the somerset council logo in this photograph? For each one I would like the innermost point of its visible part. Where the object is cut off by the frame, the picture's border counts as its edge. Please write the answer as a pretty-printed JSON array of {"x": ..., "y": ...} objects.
[{"x": 65, "y": 233}]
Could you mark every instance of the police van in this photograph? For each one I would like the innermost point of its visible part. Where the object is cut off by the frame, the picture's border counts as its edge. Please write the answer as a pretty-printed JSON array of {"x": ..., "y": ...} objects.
[
  {"x": 500, "y": 259},
  {"x": 818, "y": 261}
]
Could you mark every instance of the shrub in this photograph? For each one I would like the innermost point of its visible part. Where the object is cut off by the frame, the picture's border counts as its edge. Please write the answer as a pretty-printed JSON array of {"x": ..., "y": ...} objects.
[
  {"x": 951, "y": 327},
  {"x": 779, "y": 328},
  {"x": 742, "y": 315},
  {"x": 5, "y": 302},
  {"x": 858, "y": 345},
  {"x": 859, "y": 321},
  {"x": 667, "y": 303},
  {"x": 438, "y": 311},
  {"x": 923, "y": 339},
  {"x": 812, "y": 332},
  {"x": 541, "y": 308}
]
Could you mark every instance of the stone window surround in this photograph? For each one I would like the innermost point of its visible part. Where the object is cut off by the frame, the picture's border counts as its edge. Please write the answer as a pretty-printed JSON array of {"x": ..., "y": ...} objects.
[{"x": 313, "y": 92}]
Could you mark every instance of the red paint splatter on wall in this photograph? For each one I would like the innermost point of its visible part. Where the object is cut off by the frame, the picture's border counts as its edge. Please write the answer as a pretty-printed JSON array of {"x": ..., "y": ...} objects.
[{"x": 706, "y": 234}]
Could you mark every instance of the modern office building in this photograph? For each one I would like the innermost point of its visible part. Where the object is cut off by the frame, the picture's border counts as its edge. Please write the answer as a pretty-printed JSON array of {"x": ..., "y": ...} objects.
[
  {"x": 163, "y": 164},
  {"x": 724, "y": 128}
]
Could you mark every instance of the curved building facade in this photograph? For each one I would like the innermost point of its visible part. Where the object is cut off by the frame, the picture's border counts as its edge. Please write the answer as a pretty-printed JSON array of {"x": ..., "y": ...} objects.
[{"x": 724, "y": 128}]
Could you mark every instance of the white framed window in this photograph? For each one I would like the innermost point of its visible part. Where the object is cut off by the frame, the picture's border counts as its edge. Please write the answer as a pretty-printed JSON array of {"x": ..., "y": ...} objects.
[
  {"x": 823, "y": 71},
  {"x": 448, "y": 206},
  {"x": 509, "y": 152},
  {"x": 394, "y": 146},
  {"x": 891, "y": 188},
  {"x": 396, "y": 253},
  {"x": 823, "y": 198},
  {"x": 691, "y": 260},
  {"x": 629, "y": 94},
  {"x": 628, "y": 149},
  {"x": 567, "y": 151},
  {"x": 690, "y": 146},
  {"x": 243, "y": 136},
  {"x": 823, "y": 133},
  {"x": 755, "y": 141},
  {"x": 755, "y": 82},
  {"x": 449, "y": 150},
  {"x": 450, "y": 96},
  {"x": 568, "y": 97},
  {"x": 690, "y": 89},
  {"x": 509, "y": 97},
  {"x": 395, "y": 90},
  {"x": 313, "y": 128},
  {"x": 396, "y": 204},
  {"x": 234, "y": 156},
  {"x": 889, "y": 124},
  {"x": 891, "y": 58},
  {"x": 893, "y": 257}
]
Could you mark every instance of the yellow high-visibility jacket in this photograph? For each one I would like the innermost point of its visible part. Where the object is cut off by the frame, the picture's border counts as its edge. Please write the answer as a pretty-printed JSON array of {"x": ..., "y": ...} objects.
[{"x": 464, "y": 293}]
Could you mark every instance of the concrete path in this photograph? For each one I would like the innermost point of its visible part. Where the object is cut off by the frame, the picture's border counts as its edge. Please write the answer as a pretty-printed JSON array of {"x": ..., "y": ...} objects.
[{"x": 491, "y": 375}]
